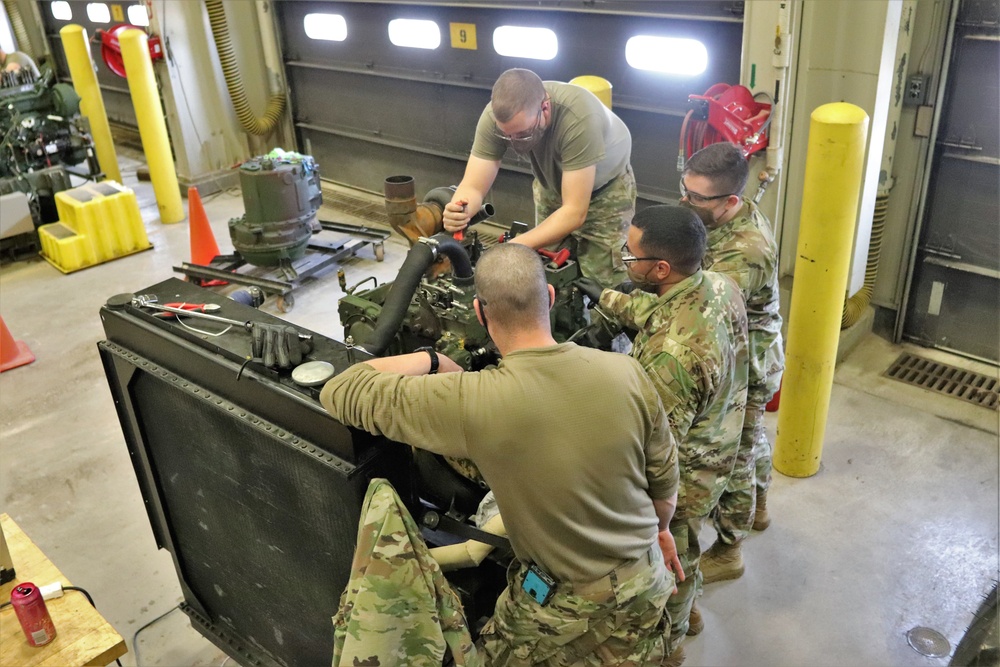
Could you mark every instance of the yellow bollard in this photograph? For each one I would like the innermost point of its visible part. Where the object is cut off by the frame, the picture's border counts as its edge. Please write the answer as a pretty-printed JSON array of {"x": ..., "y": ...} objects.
[
  {"x": 597, "y": 85},
  {"x": 152, "y": 127},
  {"x": 826, "y": 234},
  {"x": 81, "y": 69}
]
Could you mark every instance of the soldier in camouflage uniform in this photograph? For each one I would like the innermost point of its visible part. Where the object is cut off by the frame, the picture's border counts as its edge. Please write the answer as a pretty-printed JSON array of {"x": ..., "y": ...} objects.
[
  {"x": 579, "y": 454},
  {"x": 692, "y": 341},
  {"x": 397, "y": 609},
  {"x": 579, "y": 150},
  {"x": 740, "y": 245}
]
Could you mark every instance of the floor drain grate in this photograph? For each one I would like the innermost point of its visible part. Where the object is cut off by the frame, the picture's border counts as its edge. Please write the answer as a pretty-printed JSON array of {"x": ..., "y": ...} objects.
[
  {"x": 366, "y": 210},
  {"x": 944, "y": 379}
]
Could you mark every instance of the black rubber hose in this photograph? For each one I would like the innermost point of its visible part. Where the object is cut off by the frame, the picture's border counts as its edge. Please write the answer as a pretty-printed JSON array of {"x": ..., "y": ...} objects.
[
  {"x": 417, "y": 261},
  {"x": 455, "y": 251}
]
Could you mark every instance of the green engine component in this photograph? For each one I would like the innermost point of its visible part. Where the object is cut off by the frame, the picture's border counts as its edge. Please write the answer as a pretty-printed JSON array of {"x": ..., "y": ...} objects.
[
  {"x": 41, "y": 124},
  {"x": 281, "y": 194},
  {"x": 441, "y": 315}
]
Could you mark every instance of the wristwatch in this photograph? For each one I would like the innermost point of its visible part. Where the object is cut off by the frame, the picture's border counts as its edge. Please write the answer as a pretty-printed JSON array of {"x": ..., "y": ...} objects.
[{"x": 435, "y": 362}]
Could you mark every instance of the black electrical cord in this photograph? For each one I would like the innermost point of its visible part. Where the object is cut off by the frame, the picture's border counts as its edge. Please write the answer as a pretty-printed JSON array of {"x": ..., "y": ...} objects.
[
  {"x": 85, "y": 593},
  {"x": 92, "y": 604},
  {"x": 135, "y": 637}
]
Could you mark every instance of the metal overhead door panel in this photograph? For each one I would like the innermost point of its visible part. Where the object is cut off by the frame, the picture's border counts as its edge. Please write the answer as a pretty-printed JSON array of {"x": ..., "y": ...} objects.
[
  {"x": 114, "y": 89},
  {"x": 367, "y": 109},
  {"x": 954, "y": 300}
]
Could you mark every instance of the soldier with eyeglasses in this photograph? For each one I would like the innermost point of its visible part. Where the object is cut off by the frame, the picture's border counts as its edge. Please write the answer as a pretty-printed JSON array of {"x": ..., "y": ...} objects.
[
  {"x": 741, "y": 246},
  {"x": 584, "y": 190},
  {"x": 692, "y": 341}
]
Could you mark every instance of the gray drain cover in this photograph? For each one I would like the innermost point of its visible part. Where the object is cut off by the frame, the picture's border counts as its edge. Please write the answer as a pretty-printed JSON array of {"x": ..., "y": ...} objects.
[
  {"x": 960, "y": 383},
  {"x": 926, "y": 641}
]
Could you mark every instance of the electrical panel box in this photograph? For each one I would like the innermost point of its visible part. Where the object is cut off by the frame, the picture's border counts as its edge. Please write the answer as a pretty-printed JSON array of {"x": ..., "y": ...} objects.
[{"x": 916, "y": 90}]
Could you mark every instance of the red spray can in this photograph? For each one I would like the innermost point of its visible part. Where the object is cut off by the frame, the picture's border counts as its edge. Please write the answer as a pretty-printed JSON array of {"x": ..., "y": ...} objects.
[{"x": 33, "y": 614}]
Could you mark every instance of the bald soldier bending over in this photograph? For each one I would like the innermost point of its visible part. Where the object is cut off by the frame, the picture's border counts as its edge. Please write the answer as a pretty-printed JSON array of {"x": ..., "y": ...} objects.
[
  {"x": 577, "y": 449},
  {"x": 579, "y": 150}
]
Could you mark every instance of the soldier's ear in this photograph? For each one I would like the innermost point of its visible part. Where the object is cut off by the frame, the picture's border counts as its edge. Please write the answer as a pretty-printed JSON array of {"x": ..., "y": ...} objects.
[
  {"x": 552, "y": 296},
  {"x": 663, "y": 269}
]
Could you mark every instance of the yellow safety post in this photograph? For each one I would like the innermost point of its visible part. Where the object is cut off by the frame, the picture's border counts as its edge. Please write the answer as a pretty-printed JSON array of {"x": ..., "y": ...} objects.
[
  {"x": 152, "y": 127},
  {"x": 826, "y": 234},
  {"x": 81, "y": 70},
  {"x": 597, "y": 85}
]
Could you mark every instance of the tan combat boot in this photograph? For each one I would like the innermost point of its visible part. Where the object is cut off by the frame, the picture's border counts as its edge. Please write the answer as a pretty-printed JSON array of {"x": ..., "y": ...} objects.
[
  {"x": 695, "y": 622},
  {"x": 721, "y": 562},
  {"x": 761, "y": 520},
  {"x": 675, "y": 659}
]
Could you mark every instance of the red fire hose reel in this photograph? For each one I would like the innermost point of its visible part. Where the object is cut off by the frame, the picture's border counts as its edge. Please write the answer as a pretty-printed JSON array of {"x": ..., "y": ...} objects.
[
  {"x": 111, "y": 50},
  {"x": 724, "y": 113}
]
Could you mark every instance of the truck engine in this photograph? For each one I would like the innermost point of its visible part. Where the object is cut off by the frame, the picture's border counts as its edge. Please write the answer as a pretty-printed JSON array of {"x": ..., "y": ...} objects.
[
  {"x": 430, "y": 302},
  {"x": 43, "y": 135}
]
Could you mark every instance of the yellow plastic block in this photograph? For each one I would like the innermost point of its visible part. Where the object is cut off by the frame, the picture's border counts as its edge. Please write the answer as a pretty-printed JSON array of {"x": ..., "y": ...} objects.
[{"x": 98, "y": 222}]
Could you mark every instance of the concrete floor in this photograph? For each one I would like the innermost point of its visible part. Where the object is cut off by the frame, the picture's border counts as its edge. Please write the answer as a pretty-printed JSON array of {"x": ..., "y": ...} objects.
[{"x": 898, "y": 529}]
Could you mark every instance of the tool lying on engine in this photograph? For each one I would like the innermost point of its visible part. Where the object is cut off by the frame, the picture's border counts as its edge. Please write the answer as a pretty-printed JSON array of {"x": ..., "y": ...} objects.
[
  {"x": 189, "y": 307},
  {"x": 149, "y": 301}
]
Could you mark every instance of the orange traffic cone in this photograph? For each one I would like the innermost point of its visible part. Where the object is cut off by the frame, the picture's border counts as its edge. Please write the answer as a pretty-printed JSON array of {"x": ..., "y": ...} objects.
[
  {"x": 203, "y": 245},
  {"x": 13, "y": 353}
]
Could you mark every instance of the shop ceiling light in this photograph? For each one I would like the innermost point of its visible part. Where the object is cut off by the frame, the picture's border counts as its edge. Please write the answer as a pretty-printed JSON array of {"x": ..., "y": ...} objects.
[
  {"x": 415, "y": 33},
  {"x": 328, "y": 27},
  {"x": 137, "y": 15},
  {"x": 669, "y": 55},
  {"x": 98, "y": 12},
  {"x": 520, "y": 42},
  {"x": 62, "y": 10}
]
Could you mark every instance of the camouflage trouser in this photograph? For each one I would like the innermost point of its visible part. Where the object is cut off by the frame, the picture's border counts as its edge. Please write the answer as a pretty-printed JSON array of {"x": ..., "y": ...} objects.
[
  {"x": 685, "y": 532},
  {"x": 705, "y": 473},
  {"x": 752, "y": 474},
  {"x": 733, "y": 516},
  {"x": 597, "y": 244},
  {"x": 608, "y": 622},
  {"x": 768, "y": 363},
  {"x": 761, "y": 450}
]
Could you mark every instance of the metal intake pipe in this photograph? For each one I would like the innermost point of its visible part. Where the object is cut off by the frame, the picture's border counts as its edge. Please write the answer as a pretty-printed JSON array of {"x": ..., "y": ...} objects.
[{"x": 415, "y": 221}]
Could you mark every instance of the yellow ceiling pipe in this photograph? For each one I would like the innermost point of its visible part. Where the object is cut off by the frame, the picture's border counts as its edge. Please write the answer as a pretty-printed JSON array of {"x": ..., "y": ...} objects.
[
  {"x": 833, "y": 173},
  {"x": 81, "y": 70},
  {"x": 152, "y": 126}
]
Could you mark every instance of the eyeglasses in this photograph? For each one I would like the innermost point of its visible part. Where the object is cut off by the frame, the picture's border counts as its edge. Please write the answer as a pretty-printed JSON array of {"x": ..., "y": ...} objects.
[
  {"x": 525, "y": 135},
  {"x": 696, "y": 198},
  {"x": 628, "y": 257}
]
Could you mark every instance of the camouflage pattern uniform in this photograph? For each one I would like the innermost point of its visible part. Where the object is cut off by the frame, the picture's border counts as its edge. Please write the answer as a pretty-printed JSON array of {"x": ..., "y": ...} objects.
[
  {"x": 397, "y": 608},
  {"x": 692, "y": 341},
  {"x": 745, "y": 250},
  {"x": 616, "y": 620},
  {"x": 597, "y": 244}
]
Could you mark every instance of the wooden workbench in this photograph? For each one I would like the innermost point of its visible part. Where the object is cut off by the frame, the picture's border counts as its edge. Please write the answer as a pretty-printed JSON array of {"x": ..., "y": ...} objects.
[{"x": 83, "y": 637}]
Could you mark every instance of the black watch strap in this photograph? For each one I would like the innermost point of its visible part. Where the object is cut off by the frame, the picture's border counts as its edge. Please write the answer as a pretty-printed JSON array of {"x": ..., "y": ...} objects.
[{"x": 435, "y": 361}]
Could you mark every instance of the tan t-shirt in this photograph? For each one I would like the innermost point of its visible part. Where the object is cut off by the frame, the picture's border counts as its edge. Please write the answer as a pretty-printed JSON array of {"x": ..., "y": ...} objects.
[
  {"x": 581, "y": 132},
  {"x": 573, "y": 442}
]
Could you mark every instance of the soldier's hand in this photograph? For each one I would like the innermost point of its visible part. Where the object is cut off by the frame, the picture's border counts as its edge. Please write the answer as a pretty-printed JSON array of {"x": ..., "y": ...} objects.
[
  {"x": 670, "y": 558},
  {"x": 455, "y": 217},
  {"x": 591, "y": 288},
  {"x": 278, "y": 345}
]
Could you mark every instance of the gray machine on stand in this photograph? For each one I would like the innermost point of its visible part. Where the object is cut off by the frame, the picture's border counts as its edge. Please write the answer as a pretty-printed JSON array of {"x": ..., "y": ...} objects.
[{"x": 279, "y": 241}]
